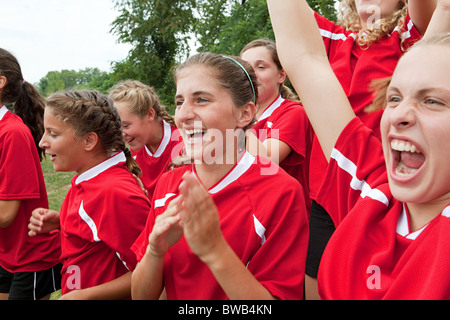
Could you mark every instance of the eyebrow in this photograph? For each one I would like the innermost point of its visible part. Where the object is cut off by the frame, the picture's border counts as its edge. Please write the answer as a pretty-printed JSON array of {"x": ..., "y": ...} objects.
[
  {"x": 195, "y": 94},
  {"x": 421, "y": 92}
]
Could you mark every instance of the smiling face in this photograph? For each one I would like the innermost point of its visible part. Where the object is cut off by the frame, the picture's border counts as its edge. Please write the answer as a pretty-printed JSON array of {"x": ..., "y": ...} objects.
[
  {"x": 415, "y": 126},
  {"x": 205, "y": 114},
  {"x": 136, "y": 130}
]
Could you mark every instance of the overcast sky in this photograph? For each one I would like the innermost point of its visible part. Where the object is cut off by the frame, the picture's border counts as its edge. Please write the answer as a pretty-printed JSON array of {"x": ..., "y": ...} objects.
[{"x": 52, "y": 35}]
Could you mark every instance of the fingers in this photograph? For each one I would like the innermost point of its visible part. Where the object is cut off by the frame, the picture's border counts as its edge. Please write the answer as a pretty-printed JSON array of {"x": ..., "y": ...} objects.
[{"x": 36, "y": 221}]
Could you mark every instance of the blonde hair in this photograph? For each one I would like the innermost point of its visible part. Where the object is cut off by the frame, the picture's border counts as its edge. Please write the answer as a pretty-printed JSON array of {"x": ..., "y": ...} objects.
[
  {"x": 270, "y": 45},
  {"x": 91, "y": 111},
  {"x": 141, "y": 97},
  {"x": 350, "y": 19}
]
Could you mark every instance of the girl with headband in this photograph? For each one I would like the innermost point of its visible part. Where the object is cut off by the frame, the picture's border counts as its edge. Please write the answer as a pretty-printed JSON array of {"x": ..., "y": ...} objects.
[{"x": 213, "y": 232}]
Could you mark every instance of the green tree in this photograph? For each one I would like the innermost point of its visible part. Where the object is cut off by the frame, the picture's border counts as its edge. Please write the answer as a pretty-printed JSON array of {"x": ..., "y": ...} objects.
[
  {"x": 159, "y": 32},
  {"x": 89, "y": 78}
]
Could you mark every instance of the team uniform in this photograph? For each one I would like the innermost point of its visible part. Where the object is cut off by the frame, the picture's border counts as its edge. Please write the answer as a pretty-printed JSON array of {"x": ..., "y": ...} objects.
[
  {"x": 102, "y": 215},
  {"x": 155, "y": 164},
  {"x": 21, "y": 179},
  {"x": 355, "y": 68},
  {"x": 263, "y": 219},
  {"x": 286, "y": 121},
  {"x": 373, "y": 254}
]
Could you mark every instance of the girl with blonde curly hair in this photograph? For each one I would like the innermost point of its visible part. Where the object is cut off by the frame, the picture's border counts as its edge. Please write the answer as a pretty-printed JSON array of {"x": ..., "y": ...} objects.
[{"x": 365, "y": 46}]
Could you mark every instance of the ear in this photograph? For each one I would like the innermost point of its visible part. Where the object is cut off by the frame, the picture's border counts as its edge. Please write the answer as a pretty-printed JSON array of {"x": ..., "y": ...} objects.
[
  {"x": 3, "y": 82},
  {"x": 151, "y": 114},
  {"x": 90, "y": 141},
  {"x": 282, "y": 76},
  {"x": 246, "y": 115}
]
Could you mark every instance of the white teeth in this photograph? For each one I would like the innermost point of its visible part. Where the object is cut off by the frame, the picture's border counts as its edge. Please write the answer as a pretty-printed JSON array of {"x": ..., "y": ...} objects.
[
  {"x": 192, "y": 132},
  {"x": 401, "y": 146}
]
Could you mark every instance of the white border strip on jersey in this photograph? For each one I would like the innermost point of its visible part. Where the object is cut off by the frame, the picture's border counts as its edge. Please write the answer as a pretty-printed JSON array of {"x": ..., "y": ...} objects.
[
  {"x": 335, "y": 36},
  {"x": 161, "y": 202},
  {"x": 260, "y": 230},
  {"x": 164, "y": 142},
  {"x": 356, "y": 184},
  {"x": 268, "y": 112},
  {"x": 89, "y": 222},
  {"x": 446, "y": 212},
  {"x": 242, "y": 166},
  {"x": 3, "y": 111}
]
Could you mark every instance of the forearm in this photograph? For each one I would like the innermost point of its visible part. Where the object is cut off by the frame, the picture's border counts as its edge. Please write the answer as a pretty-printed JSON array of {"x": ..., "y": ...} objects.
[
  {"x": 440, "y": 22},
  {"x": 119, "y": 288},
  {"x": 234, "y": 278},
  {"x": 303, "y": 56},
  {"x": 421, "y": 12},
  {"x": 147, "y": 279}
]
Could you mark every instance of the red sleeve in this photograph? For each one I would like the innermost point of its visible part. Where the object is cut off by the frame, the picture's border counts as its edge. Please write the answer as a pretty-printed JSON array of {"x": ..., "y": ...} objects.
[
  {"x": 356, "y": 168},
  {"x": 18, "y": 173},
  {"x": 333, "y": 35},
  {"x": 291, "y": 125}
]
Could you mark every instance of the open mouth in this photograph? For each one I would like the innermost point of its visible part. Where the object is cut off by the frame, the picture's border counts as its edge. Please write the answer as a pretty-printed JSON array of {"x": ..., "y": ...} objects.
[
  {"x": 195, "y": 134},
  {"x": 52, "y": 156},
  {"x": 407, "y": 158}
]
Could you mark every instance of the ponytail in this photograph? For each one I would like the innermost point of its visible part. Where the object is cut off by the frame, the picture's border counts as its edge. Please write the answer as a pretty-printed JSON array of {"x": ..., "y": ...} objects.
[
  {"x": 30, "y": 108},
  {"x": 28, "y": 103}
]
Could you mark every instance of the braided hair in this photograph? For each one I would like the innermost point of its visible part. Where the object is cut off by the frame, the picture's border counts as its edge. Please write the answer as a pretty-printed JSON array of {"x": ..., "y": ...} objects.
[{"x": 91, "y": 111}]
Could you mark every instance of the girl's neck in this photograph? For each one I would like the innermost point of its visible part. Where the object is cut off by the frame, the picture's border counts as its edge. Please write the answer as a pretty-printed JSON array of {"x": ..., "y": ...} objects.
[
  {"x": 420, "y": 214},
  {"x": 264, "y": 105},
  {"x": 156, "y": 135}
]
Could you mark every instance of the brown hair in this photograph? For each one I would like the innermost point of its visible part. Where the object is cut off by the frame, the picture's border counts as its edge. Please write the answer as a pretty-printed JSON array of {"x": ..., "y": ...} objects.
[
  {"x": 270, "y": 45},
  {"x": 350, "y": 20},
  {"x": 231, "y": 77},
  {"x": 28, "y": 103},
  {"x": 141, "y": 97},
  {"x": 91, "y": 111}
]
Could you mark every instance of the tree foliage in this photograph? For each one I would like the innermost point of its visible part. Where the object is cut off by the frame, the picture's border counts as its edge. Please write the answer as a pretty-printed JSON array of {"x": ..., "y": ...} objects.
[
  {"x": 162, "y": 33},
  {"x": 89, "y": 78}
]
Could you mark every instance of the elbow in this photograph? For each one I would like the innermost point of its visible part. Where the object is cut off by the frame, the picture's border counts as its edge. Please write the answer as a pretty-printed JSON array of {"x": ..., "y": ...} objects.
[{"x": 6, "y": 221}]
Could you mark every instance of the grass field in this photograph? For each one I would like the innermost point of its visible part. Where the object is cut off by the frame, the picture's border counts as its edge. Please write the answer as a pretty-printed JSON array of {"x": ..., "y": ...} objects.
[{"x": 57, "y": 184}]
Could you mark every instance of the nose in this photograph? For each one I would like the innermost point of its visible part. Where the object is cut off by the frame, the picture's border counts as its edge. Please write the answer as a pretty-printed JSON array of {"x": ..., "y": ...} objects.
[
  {"x": 184, "y": 112},
  {"x": 43, "y": 144},
  {"x": 403, "y": 115}
]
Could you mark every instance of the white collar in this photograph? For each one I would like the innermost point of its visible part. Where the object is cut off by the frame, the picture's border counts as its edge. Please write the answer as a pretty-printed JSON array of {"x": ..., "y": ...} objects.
[
  {"x": 167, "y": 134},
  {"x": 403, "y": 226},
  {"x": 105, "y": 165},
  {"x": 3, "y": 111},
  {"x": 239, "y": 169},
  {"x": 269, "y": 110}
]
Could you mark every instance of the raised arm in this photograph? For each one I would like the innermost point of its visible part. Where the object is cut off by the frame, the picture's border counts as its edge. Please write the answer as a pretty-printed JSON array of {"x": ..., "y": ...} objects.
[
  {"x": 440, "y": 22},
  {"x": 420, "y": 12},
  {"x": 302, "y": 54}
]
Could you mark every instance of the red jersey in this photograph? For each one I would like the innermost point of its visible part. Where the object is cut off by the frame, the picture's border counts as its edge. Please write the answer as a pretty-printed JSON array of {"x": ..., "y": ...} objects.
[
  {"x": 286, "y": 120},
  {"x": 153, "y": 165},
  {"x": 373, "y": 254},
  {"x": 356, "y": 68},
  {"x": 21, "y": 179},
  {"x": 102, "y": 215},
  {"x": 263, "y": 219}
]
